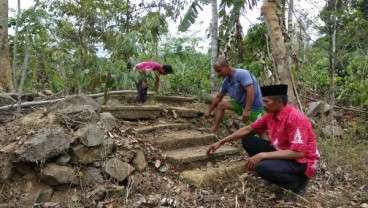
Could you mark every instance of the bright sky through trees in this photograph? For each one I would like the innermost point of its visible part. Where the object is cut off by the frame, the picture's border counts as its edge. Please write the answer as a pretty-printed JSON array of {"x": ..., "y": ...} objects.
[{"x": 307, "y": 9}]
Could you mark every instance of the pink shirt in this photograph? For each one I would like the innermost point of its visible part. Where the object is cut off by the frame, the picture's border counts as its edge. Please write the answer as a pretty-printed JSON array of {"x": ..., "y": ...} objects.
[
  {"x": 291, "y": 129},
  {"x": 150, "y": 66}
]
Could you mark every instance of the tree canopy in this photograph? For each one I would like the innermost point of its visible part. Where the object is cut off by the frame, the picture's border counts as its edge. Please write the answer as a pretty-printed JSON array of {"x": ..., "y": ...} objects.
[{"x": 80, "y": 46}]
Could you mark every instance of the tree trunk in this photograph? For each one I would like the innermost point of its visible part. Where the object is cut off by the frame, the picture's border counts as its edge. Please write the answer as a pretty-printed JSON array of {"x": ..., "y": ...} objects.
[
  {"x": 239, "y": 40},
  {"x": 290, "y": 34},
  {"x": 25, "y": 62},
  {"x": 15, "y": 47},
  {"x": 268, "y": 10},
  {"x": 24, "y": 71},
  {"x": 300, "y": 43},
  {"x": 290, "y": 30},
  {"x": 332, "y": 68},
  {"x": 5, "y": 68},
  {"x": 214, "y": 43}
]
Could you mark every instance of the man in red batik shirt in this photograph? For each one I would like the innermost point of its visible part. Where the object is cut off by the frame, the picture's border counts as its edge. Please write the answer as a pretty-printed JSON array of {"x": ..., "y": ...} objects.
[{"x": 290, "y": 157}]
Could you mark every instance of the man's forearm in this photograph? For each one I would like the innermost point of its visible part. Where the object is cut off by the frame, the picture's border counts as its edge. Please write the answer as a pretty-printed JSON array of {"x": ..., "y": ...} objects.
[
  {"x": 214, "y": 104},
  {"x": 249, "y": 103},
  {"x": 283, "y": 155},
  {"x": 237, "y": 135},
  {"x": 250, "y": 98}
]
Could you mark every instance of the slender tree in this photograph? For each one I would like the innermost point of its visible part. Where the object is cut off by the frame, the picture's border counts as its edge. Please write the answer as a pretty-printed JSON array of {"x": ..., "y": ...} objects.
[
  {"x": 25, "y": 61},
  {"x": 214, "y": 42},
  {"x": 5, "y": 68},
  {"x": 333, "y": 32},
  {"x": 15, "y": 46},
  {"x": 268, "y": 10}
]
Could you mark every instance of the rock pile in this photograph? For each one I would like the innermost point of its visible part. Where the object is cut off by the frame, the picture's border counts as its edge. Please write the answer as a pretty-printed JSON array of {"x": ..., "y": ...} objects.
[{"x": 71, "y": 145}]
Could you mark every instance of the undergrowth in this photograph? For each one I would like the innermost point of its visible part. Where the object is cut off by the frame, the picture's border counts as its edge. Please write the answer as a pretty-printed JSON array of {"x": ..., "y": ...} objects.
[{"x": 344, "y": 162}]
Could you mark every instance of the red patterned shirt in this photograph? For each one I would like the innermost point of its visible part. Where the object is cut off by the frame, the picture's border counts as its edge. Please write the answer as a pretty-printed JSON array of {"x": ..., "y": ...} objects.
[
  {"x": 150, "y": 66},
  {"x": 291, "y": 129}
]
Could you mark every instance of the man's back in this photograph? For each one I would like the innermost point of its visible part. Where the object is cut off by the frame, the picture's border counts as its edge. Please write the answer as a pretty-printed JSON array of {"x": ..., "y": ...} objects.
[
  {"x": 235, "y": 87},
  {"x": 149, "y": 65}
]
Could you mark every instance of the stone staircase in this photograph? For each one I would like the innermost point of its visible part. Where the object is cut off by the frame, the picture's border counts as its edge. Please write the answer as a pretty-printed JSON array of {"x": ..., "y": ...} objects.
[{"x": 183, "y": 146}]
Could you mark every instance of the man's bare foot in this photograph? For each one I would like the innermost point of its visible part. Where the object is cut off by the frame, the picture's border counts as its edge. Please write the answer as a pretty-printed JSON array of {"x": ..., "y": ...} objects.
[
  {"x": 207, "y": 130},
  {"x": 203, "y": 129},
  {"x": 213, "y": 130}
]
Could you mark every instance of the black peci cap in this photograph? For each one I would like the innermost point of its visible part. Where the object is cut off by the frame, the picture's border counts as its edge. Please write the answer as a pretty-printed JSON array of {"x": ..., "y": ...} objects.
[{"x": 273, "y": 90}]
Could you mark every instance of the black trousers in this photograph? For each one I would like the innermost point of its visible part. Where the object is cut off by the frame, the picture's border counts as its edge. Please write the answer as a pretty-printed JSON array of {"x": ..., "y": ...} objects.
[
  {"x": 288, "y": 174},
  {"x": 142, "y": 92}
]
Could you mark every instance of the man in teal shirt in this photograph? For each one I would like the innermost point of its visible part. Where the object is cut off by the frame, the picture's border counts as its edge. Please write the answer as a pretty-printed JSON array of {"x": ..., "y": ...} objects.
[{"x": 244, "y": 91}]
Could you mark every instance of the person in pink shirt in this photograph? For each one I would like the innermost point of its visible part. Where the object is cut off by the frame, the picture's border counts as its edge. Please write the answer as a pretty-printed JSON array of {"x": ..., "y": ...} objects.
[
  {"x": 144, "y": 68},
  {"x": 290, "y": 157}
]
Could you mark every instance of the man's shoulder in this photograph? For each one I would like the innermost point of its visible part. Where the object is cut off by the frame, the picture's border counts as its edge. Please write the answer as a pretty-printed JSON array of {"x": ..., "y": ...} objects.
[
  {"x": 241, "y": 70},
  {"x": 243, "y": 76},
  {"x": 296, "y": 114}
]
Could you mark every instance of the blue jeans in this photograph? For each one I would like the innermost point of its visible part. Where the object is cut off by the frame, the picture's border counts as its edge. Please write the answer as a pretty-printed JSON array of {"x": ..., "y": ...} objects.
[{"x": 288, "y": 174}]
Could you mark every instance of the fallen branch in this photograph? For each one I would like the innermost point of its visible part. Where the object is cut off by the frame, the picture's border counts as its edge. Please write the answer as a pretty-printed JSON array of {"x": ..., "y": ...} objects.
[
  {"x": 15, "y": 94},
  {"x": 349, "y": 109},
  {"x": 29, "y": 104},
  {"x": 121, "y": 92},
  {"x": 339, "y": 107},
  {"x": 46, "y": 102}
]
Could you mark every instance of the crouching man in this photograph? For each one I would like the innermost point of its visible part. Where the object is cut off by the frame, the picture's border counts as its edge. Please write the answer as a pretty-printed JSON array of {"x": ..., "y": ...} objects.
[{"x": 290, "y": 157}]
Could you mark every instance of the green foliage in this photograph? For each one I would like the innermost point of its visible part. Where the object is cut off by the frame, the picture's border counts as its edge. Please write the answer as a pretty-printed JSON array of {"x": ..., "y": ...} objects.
[
  {"x": 71, "y": 40},
  {"x": 192, "y": 69},
  {"x": 356, "y": 83},
  {"x": 351, "y": 56},
  {"x": 254, "y": 44},
  {"x": 156, "y": 24},
  {"x": 314, "y": 73},
  {"x": 138, "y": 76},
  {"x": 192, "y": 14},
  {"x": 364, "y": 9},
  {"x": 189, "y": 79},
  {"x": 229, "y": 20},
  {"x": 83, "y": 46}
]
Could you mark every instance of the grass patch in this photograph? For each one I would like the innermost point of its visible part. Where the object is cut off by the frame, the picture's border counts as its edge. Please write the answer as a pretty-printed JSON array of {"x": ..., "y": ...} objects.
[{"x": 344, "y": 162}]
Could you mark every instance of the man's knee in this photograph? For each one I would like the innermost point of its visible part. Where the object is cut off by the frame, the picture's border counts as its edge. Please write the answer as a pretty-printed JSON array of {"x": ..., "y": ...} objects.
[
  {"x": 248, "y": 141},
  {"x": 265, "y": 170},
  {"x": 224, "y": 105}
]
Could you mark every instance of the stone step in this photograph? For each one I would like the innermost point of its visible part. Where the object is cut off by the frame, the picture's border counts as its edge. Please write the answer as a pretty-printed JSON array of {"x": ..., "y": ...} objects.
[
  {"x": 214, "y": 176},
  {"x": 155, "y": 127},
  {"x": 196, "y": 156},
  {"x": 184, "y": 112},
  {"x": 133, "y": 112},
  {"x": 184, "y": 139},
  {"x": 130, "y": 96},
  {"x": 171, "y": 99},
  {"x": 124, "y": 96}
]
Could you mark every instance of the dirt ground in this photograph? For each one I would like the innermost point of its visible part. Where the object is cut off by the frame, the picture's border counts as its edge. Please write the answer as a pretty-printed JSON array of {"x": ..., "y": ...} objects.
[{"x": 341, "y": 180}]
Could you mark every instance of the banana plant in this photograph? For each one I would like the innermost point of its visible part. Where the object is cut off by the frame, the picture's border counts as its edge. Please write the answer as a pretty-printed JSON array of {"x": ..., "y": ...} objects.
[{"x": 197, "y": 5}]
